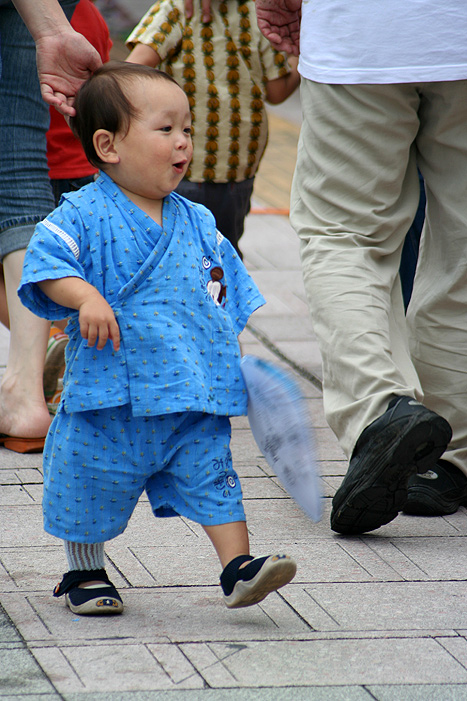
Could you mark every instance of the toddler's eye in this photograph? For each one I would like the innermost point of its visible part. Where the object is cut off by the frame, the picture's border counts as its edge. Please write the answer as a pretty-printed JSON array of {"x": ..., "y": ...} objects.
[
  {"x": 166, "y": 129},
  {"x": 187, "y": 131}
]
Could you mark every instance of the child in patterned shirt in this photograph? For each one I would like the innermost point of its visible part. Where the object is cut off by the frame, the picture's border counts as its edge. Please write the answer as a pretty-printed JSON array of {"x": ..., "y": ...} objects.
[
  {"x": 153, "y": 362},
  {"x": 228, "y": 71}
]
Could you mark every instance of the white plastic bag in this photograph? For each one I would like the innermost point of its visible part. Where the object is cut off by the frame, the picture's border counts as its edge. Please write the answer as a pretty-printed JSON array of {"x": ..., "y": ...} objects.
[{"x": 282, "y": 428}]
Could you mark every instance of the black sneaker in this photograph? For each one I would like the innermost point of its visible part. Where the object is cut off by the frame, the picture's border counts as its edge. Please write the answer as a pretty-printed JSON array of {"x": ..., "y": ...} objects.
[
  {"x": 406, "y": 439},
  {"x": 438, "y": 492}
]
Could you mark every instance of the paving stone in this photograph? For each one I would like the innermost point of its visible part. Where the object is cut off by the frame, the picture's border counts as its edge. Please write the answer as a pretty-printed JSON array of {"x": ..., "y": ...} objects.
[
  {"x": 340, "y": 693},
  {"x": 287, "y": 663},
  {"x": 23, "y": 525},
  {"x": 178, "y": 614},
  {"x": 35, "y": 491},
  {"x": 383, "y": 606},
  {"x": 31, "y": 697},
  {"x": 20, "y": 673},
  {"x": 280, "y": 328},
  {"x": 416, "y": 526},
  {"x": 145, "y": 529},
  {"x": 422, "y": 692},
  {"x": 327, "y": 445},
  {"x": 439, "y": 558},
  {"x": 9, "y": 458},
  {"x": 282, "y": 520},
  {"x": 244, "y": 470},
  {"x": 9, "y": 476},
  {"x": 8, "y": 633},
  {"x": 305, "y": 354},
  {"x": 333, "y": 467},
  {"x": 390, "y": 552},
  {"x": 30, "y": 475},
  {"x": 110, "y": 668},
  {"x": 323, "y": 560},
  {"x": 35, "y": 569},
  {"x": 14, "y": 495},
  {"x": 457, "y": 647},
  {"x": 262, "y": 488},
  {"x": 172, "y": 566},
  {"x": 458, "y": 520}
]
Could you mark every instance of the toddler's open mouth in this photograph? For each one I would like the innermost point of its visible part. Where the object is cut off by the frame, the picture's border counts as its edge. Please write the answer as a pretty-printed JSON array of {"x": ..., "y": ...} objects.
[{"x": 179, "y": 167}]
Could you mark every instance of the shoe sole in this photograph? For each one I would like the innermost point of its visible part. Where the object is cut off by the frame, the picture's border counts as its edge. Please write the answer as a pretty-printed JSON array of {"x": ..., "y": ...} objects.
[
  {"x": 22, "y": 445},
  {"x": 276, "y": 572},
  {"x": 100, "y": 606},
  {"x": 411, "y": 444}
]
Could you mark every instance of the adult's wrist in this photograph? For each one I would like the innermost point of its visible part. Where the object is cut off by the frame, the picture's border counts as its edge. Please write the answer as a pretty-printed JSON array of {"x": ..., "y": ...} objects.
[{"x": 43, "y": 18}]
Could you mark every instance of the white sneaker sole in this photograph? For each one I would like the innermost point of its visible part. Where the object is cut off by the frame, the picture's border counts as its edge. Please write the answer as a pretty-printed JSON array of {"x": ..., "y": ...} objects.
[
  {"x": 276, "y": 572},
  {"x": 101, "y": 605}
]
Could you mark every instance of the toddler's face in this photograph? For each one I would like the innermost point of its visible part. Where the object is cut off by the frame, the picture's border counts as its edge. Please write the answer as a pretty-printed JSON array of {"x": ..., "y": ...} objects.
[{"x": 155, "y": 153}]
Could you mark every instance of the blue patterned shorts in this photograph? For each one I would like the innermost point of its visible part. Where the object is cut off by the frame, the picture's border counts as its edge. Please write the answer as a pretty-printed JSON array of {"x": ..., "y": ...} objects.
[{"x": 98, "y": 463}]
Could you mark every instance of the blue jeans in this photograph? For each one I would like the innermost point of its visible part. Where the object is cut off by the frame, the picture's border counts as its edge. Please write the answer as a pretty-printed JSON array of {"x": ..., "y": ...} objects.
[
  {"x": 409, "y": 257},
  {"x": 229, "y": 202},
  {"x": 25, "y": 191}
]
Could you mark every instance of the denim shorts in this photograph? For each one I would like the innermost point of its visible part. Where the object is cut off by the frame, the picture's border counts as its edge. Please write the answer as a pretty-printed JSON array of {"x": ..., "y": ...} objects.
[
  {"x": 98, "y": 463},
  {"x": 25, "y": 191}
]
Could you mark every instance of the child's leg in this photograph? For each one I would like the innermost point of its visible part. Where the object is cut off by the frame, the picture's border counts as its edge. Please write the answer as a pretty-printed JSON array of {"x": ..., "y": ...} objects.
[
  {"x": 246, "y": 580},
  {"x": 229, "y": 540},
  {"x": 87, "y": 589}
]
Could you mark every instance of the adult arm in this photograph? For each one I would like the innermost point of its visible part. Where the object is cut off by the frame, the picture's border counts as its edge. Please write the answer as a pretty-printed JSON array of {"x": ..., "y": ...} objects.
[
  {"x": 65, "y": 59},
  {"x": 279, "y": 21},
  {"x": 96, "y": 318}
]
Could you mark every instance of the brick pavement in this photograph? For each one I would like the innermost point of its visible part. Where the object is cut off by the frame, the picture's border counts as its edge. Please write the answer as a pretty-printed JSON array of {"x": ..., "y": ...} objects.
[{"x": 382, "y": 616}]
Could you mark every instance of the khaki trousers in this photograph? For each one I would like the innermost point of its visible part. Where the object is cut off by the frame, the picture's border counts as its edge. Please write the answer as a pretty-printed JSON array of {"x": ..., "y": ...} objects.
[{"x": 354, "y": 195}]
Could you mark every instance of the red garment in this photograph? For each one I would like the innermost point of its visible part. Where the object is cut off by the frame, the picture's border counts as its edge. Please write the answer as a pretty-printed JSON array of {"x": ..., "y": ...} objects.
[{"x": 65, "y": 154}]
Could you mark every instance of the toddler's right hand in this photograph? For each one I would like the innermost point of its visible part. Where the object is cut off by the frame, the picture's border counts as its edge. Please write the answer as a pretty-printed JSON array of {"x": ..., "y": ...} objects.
[{"x": 98, "y": 323}]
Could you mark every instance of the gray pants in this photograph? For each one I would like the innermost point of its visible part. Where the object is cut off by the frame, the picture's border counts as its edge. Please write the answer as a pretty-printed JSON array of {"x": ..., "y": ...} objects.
[{"x": 354, "y": 196}]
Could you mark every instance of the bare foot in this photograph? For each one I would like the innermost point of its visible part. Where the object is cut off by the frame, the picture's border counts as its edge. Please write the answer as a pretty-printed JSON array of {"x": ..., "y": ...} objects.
[{"x": 23, "y": 412}]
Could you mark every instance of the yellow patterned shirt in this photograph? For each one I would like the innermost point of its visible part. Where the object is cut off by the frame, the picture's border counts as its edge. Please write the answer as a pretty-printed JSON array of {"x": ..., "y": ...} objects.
[{"x": 222, "y": 66}]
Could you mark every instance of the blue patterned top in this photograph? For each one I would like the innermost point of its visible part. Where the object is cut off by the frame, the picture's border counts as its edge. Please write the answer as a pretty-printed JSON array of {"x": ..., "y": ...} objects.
[{"x": 180, "y": 293}]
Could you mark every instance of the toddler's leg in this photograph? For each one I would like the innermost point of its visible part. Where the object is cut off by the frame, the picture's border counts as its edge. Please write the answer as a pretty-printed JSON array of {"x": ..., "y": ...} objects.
[
  {"x": 87, "y": 589},
  {"x": 246, "y": 580}
]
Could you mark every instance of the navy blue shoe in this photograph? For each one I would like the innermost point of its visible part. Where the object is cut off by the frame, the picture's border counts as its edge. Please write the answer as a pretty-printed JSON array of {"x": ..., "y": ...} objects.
[
  {"x": 97, "y": 600},
  {"x": 245, "y": 586},
  {"x": 438, "y": 492},
  {"x": 408, "y": 438}
]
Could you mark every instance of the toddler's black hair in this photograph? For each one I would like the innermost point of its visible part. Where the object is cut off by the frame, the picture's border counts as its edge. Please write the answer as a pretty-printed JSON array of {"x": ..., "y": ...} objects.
[{"x": 103, "y": 102}]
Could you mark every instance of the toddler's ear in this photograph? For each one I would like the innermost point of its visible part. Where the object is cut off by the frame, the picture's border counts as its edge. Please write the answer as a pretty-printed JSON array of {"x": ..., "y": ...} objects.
[{"x": 104, "y": 144}]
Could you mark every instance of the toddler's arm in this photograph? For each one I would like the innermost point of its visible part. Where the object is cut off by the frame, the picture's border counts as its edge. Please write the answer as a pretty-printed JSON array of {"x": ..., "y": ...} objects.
[
  {"x": 96, "y": 318},
  {"x": 279, "y": 89},
  {"x": 145, "y": 55}
]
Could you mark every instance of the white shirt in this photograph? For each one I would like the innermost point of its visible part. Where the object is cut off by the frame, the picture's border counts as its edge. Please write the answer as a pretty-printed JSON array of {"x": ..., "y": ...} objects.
[{"x": 383, "y": 41}]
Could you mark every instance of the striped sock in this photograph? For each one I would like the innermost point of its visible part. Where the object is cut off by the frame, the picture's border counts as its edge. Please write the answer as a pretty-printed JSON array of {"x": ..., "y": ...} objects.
[{"x": 85, "y": 556}]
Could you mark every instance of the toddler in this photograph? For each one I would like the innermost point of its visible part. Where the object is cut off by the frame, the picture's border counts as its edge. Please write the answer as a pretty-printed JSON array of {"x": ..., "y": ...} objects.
[{"x": 153, "y": 362}]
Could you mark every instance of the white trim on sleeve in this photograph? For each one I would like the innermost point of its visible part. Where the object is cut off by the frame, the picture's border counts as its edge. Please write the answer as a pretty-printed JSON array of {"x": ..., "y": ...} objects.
[{"x": 71, "y": 243}]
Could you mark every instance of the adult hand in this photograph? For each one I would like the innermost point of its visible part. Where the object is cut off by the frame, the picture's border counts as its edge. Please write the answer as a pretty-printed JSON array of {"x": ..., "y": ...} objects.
[
  {"x": 64, "y": 62},
  {"x": 205, "y": 9},
  {"x": 64, "y": 57},
  {"x": 279, "y": 21}
]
